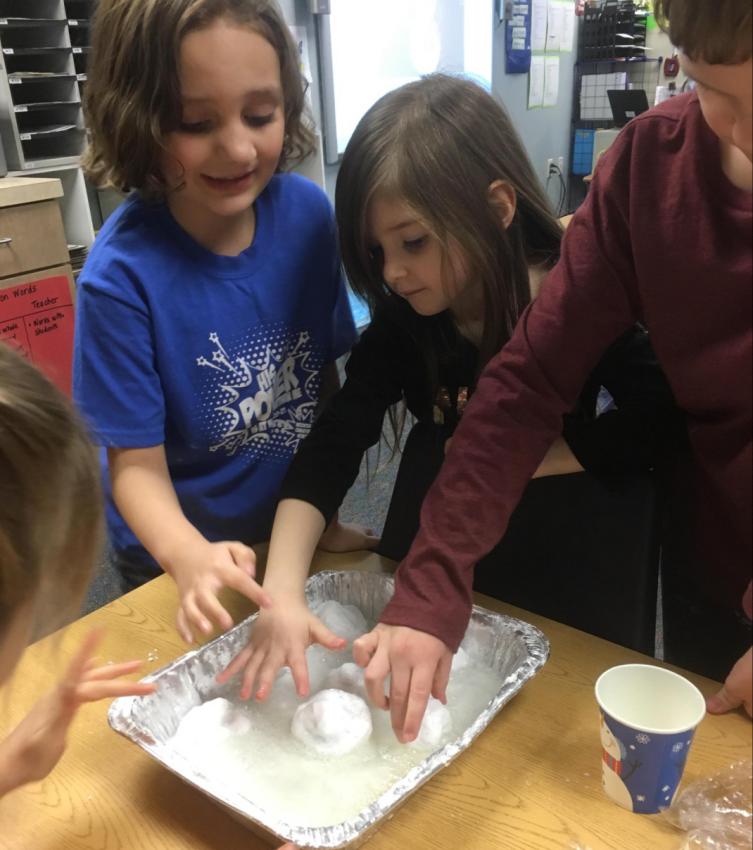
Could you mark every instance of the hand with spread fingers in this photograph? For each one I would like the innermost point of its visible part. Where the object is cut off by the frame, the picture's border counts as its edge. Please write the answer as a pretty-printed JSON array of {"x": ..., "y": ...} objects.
[
  {"x": 418, "y": 665},
  {"x": 35, "y": 746},
  {"x": 201, "y": 571},
  {"x": 280, "y": 638}
]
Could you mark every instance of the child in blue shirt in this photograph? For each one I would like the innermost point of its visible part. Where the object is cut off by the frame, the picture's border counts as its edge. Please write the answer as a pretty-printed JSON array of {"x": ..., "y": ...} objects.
[{"x": 212, "y": 307}]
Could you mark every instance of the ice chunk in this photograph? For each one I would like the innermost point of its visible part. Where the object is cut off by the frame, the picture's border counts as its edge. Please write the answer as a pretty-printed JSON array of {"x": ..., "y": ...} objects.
[
  {"x": 435, "y": 726},
  {"x": 332, "y": 722},
  {"x": 460, "y": 660},
  {"x": 211, "y": 722},
  {"x": 346, "y": 621}
]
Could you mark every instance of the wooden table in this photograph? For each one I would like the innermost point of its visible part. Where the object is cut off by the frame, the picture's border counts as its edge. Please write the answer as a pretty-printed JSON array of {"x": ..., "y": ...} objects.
[{"x": 530, "y": 782}]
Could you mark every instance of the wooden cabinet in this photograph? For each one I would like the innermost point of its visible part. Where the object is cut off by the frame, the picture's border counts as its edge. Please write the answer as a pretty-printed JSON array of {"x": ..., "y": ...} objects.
[{"x": 36, "y": 282}]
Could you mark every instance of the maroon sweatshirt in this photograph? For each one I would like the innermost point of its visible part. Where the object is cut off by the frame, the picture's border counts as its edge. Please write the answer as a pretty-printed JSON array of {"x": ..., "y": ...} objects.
[{"x": 663, "y": 238}]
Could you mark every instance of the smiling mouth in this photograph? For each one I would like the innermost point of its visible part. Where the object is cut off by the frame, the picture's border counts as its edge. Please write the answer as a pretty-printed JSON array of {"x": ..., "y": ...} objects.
[{"x": 228, "y": 181}]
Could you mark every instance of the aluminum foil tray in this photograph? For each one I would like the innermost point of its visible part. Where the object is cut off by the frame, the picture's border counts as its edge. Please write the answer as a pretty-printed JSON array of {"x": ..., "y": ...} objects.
[{"x": 515, "y": 649}]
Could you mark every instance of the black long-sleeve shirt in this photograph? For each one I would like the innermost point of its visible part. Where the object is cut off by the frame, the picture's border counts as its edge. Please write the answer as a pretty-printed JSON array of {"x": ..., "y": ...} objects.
[{"x": 387, "y": 366}]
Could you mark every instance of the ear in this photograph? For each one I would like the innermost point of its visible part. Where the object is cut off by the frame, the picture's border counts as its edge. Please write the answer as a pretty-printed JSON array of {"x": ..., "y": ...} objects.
[{"x": 502, "y": 197}]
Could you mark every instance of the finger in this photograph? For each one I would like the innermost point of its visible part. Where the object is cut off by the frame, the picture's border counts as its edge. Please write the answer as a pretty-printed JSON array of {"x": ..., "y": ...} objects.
[
  {"x": 374, "y": 675},
  {"x": 211, "y": 608},
  {"x": 194, "y": 615},
  {"x": 415, "y": 706},
  {"x": 93, "y": 691},
  {"x": 112, "y": 671},
  {"x": 243, "y": 556},
  {"x": 322, "y": 635},
  {"x": 722, "y": 702},
  {"x": 266, "y": 678},
  {"x": 441, "y": 677},
  {"x": 79, "y": 663},
  {"x": 248, "y": 587},
  {"x": 184, "y": 630},
  {"x": 400, "y": 683},
  {"x": 236, "y": 665},
  {"x": 249, "y": 675},
  {"x": 365, "y": 647},
  {"x": 300, "y": 672}
]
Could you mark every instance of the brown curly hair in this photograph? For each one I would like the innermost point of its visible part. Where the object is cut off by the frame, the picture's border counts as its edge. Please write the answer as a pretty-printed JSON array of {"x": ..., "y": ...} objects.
[{"x": 132, "y": 98}]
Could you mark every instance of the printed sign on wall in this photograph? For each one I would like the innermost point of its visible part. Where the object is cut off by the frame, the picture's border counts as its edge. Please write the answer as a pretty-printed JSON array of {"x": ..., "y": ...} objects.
[{"x": 36, "y": 318}]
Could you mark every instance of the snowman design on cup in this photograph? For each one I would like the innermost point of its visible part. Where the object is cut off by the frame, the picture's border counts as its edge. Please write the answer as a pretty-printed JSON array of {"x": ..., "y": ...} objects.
[{"x": 614, "y": 769}]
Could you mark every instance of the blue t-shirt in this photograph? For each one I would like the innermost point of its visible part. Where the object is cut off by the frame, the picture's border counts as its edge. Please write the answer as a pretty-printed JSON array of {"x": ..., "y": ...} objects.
[{"x": 218, "y": 358}]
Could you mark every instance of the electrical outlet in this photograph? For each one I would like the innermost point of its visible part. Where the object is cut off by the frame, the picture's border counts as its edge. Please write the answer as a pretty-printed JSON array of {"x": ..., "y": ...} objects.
[
  {"x": 555, "y": 164},
  {"x": 561, "y": 164},
  {"x": 549, "y": 164}
]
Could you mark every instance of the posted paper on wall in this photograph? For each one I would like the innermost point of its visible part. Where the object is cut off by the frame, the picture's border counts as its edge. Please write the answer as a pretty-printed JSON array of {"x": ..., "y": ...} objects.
[
  {"x": 536, "y": 83},
  {"x": 551, "y": 80},
  {"x": 555, "y": 24},
  {"x": 568, "y": 27},
  {"x": 538, "y": 24}
]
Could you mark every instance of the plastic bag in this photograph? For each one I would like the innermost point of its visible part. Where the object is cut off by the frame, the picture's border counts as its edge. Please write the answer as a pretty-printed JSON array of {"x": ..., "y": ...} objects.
[{"x": 715, "y": 812}]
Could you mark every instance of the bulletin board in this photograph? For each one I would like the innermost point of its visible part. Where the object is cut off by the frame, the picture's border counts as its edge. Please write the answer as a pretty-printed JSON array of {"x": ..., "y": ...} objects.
[{"x": 37, "y": 319}]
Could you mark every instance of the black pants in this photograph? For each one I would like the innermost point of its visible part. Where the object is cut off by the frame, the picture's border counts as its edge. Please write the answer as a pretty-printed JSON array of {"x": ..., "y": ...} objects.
[
  {"x": 577, "y": 550},
  {"x": 132, "y": 570}
]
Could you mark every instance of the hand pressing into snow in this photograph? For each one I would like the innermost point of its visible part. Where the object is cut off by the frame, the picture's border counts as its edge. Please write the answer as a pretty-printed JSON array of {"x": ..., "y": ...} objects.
[{"x": 280, "y": 638}]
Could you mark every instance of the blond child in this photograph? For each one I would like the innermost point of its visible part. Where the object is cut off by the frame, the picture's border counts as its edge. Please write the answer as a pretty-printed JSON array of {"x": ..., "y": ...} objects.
[{"x": 50, "y": 534}]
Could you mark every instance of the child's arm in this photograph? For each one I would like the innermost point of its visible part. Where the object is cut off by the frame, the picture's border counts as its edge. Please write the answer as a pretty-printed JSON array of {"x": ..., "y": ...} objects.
[
  {"x": 145, "y": 497},
  {"x": 282, "y": 634},
  {"x": 35, "y": 746}
]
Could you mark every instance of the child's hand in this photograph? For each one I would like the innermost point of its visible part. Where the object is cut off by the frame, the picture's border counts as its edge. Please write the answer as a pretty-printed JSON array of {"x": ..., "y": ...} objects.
[
  {"x": 418, "y": 665},
  {"x": 347, "y": 537},
  {"x": 737, "y": 689},
  {"x": 35, "y": 746},
  {"x": 201, "y": 572},
  {"x": 280, "y": 638}
]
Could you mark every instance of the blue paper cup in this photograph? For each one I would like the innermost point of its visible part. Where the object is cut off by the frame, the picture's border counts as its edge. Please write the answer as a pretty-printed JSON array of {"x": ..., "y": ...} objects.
[{"x": 648, "y": 719}]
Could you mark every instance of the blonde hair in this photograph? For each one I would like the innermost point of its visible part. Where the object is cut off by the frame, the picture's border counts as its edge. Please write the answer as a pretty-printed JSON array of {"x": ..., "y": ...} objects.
[
  {"x": 50, "y": 499},
  {"x": 132, "y": 96}
]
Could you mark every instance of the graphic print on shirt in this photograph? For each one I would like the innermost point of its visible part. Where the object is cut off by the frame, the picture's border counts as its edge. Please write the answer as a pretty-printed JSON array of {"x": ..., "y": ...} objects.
[{"x": 260, "y": 393}]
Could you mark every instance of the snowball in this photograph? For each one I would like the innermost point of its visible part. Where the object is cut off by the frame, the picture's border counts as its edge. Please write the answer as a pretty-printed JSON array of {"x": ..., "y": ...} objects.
[
  {"x": 213, "y": 721},
  {"x": 346, "y": 621},
  {"x": 348, "y": 677},
  {"x": 332, "y": 722},
  {"x": 435, "y": 726}
]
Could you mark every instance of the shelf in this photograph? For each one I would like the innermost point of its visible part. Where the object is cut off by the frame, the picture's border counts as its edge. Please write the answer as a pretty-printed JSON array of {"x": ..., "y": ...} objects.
[
  {"x": 34, "y": 51},
  {"x": 17, "y": 78},
  {"x": 23, "y": 23},
  {"x": 46, "y": 104}
]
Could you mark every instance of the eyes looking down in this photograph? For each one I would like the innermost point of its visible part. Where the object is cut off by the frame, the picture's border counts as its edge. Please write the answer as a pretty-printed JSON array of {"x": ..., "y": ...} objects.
[{"x": 410, "y": 257}]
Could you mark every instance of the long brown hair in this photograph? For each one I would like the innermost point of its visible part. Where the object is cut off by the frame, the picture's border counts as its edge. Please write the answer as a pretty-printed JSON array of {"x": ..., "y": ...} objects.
[
  {"x": 438, "y": 144},
  {"x": 50, "y": 499},
  {"x": 132, "y": 98},
  {"x": 713, "y": 31}
]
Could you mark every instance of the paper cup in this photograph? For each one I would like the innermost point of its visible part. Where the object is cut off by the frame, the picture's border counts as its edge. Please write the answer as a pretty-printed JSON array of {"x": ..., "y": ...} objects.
[{"x": 648, "y": 719}]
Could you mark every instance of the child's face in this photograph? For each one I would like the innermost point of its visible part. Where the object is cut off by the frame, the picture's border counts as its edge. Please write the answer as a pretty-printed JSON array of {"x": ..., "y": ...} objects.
[
  {"x": 725, "y": 93},
  {"x": 412, "y": 257},
  {"x": 229, "y": 142}
]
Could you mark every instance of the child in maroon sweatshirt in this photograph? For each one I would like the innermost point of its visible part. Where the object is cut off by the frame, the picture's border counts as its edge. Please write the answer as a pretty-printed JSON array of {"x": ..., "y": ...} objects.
[{"x": 663, "y": 238}]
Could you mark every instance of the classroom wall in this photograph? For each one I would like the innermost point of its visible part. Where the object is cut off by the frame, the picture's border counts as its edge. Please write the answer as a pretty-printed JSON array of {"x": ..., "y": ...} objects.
[{"x": 545, "y": 132}]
